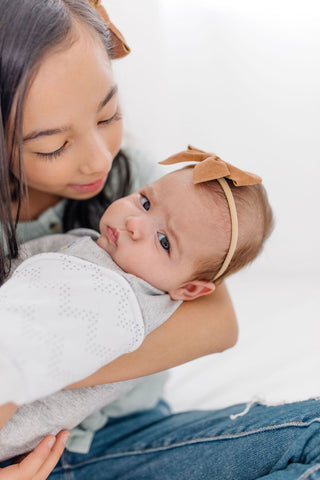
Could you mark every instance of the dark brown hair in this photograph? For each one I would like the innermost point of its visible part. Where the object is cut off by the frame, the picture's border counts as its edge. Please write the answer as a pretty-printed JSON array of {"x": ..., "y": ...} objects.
[{"x": 29, "y": 30}]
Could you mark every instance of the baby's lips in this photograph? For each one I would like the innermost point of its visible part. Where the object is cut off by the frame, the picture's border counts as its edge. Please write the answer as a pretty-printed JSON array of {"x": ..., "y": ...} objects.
[{"x": 112, "y": 234}]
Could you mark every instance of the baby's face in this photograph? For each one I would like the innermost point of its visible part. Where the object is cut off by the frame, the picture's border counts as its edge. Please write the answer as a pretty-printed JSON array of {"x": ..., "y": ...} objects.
[{"x": 162, "y": 231}]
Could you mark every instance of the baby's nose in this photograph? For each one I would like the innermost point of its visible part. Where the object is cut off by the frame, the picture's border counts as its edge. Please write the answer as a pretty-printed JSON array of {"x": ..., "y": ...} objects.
[{"x": 136, "y": 227}]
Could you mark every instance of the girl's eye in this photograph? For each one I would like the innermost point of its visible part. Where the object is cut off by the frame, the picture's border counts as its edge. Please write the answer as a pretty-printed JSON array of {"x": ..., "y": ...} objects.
[
  {"x": 52, "y": 155},
  {"x": 114, "y": 118},
  {"x": 145, "y": 203},
  {"x": 164, "y": 242}
]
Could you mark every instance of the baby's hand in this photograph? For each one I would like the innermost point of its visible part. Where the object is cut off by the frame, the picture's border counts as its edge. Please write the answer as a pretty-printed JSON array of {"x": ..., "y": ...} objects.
[{"x": 38, "y": 464}]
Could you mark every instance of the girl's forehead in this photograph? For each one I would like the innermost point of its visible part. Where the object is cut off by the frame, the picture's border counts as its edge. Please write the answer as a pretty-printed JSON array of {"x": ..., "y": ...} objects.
[
  {"x": 69, "y": 83},
  {"x": 82, "y": 46}
]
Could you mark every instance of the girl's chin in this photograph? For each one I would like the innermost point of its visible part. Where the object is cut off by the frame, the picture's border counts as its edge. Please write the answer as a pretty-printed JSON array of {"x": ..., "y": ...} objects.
[{"x": 82, "y": 195}]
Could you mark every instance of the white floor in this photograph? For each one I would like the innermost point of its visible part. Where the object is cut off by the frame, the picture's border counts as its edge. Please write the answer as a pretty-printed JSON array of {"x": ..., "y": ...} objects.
[{"x": 277, "y": 357}]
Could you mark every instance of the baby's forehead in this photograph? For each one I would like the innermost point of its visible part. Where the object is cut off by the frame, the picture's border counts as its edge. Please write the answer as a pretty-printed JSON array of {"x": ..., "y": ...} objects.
[
  {"x": 180, "y": 178},
  {"x": 180, "y": 184},
  {"x": 180, "y": 196}
]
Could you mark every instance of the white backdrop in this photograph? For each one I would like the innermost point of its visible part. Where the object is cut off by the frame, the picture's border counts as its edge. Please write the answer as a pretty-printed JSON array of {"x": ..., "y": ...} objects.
[{"x": 241, "y": 79}]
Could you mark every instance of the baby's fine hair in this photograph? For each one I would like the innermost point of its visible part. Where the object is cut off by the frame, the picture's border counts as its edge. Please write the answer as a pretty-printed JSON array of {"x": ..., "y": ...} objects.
[{"x": 255, "y": 220}]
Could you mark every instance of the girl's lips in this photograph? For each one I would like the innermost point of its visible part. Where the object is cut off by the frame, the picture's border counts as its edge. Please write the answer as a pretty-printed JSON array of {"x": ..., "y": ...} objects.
[
  {"x": 89, "y": 187},
  {"x": 112, "y": 234}
]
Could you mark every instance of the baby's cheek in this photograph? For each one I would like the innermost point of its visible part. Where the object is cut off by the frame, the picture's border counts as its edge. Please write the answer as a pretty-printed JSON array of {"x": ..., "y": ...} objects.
[{"x": 122, "y": 258}]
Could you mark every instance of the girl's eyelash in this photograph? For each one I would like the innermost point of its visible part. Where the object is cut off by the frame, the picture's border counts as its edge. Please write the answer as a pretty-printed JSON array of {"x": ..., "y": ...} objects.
[
  {"x": 57, "y": 153},
  {"x": 114, "y": 118},
  {"x": 52, "y": 155}
]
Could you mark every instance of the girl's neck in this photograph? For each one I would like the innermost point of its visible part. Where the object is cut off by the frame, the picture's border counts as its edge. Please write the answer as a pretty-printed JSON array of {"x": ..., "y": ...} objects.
[{"x": 34, "y": 204}]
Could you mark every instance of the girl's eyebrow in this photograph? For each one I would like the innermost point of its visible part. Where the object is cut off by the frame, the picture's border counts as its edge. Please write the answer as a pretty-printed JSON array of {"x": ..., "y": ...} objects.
[
  {"x": 43, "y": 133},
  {"x": 108, "y": 97},
  {"x": 55, "y": 131}
]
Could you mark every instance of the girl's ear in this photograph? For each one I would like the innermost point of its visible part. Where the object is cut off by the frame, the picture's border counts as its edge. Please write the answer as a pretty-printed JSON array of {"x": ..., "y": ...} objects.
[{"x": 192, "y": 290}]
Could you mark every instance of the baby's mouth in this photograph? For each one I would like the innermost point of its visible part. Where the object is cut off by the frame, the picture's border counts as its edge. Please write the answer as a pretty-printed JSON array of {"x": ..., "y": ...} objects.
[{"x": 112, "y": 234}]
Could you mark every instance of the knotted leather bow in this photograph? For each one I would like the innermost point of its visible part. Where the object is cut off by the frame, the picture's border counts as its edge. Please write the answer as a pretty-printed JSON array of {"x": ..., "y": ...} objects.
[
  {"x": 211, "y": 167},
  {"x": 120, "y": 47}
]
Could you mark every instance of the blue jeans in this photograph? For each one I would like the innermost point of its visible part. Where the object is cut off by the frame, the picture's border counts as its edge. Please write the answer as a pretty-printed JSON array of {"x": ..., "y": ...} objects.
[{"x": 271, "y": 443}]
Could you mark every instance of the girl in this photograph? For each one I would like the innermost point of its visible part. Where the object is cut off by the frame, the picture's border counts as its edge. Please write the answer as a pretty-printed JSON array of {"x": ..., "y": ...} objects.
[{"x": 60, "y": 135}]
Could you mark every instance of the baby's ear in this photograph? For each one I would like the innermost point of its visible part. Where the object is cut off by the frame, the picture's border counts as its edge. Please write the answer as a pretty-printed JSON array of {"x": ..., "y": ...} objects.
[{"x": 192, "y": 290}]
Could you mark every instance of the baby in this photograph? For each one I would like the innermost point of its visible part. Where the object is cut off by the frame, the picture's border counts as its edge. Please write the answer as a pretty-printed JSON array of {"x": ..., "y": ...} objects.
[
  {"x": 186, "y": 231},
  {"x": 180, "y": 235}
]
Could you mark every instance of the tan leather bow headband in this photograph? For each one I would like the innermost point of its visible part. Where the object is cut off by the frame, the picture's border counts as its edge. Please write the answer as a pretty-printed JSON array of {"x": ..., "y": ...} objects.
[
  {"x": 120, "y": 47},
  {"x": 211, "y": 167}
]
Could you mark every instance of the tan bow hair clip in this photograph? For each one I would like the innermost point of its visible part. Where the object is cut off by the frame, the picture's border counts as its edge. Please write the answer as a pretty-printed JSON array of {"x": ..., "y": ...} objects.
[
  {"x": 211, "y": 167},
  {"x": 120, "y": 46}
]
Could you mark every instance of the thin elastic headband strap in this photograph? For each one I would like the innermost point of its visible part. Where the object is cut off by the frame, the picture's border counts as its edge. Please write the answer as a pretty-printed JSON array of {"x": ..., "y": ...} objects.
[{"x": 234, "y": 227}]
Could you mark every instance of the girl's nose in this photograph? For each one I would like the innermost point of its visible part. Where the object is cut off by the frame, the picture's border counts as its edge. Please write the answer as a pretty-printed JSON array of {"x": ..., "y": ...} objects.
[
  {"x": 136, "y": 226},
  {"x": 96, "y": 158}
]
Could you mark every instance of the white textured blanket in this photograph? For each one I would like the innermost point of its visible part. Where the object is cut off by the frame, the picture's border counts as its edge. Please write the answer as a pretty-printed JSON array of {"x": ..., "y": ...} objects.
[{"x": 46, "y": 320}]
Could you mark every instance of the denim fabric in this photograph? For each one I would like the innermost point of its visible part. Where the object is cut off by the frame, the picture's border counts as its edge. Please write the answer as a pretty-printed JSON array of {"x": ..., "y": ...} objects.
[{"x": 271, "y": 443}]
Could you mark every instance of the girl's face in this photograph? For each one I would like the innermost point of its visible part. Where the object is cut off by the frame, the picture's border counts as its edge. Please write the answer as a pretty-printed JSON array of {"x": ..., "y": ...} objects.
[{"x": 72, "y": 126}]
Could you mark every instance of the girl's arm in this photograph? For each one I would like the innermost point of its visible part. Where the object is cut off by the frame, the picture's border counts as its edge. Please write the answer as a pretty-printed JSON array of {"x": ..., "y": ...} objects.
[
  {"x": 6, "y": 412},
  {"x": 197, "y": 328}
]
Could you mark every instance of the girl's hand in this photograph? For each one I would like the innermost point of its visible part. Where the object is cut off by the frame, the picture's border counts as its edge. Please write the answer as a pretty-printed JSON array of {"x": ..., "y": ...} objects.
[{"x": 38, "y": 464}]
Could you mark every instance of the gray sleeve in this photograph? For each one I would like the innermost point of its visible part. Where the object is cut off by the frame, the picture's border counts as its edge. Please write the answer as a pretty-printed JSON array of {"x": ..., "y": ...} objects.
[{"x": 49, "y": 243}]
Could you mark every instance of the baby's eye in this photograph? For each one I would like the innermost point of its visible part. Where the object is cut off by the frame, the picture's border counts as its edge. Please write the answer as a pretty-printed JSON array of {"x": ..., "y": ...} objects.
[
  {"x": 164, "y": 242},
  {"x": 145, "y": 202}
]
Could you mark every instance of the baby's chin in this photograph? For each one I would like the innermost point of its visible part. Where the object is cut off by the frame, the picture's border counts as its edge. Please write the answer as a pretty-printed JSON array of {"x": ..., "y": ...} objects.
[{"x": 103, "y": 243}]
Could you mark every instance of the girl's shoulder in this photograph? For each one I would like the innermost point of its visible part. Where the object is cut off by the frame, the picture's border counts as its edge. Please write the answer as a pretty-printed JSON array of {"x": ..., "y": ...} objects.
[
  {"x": 48, "y": 223},
  {"x": 144, "y": 167}
]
